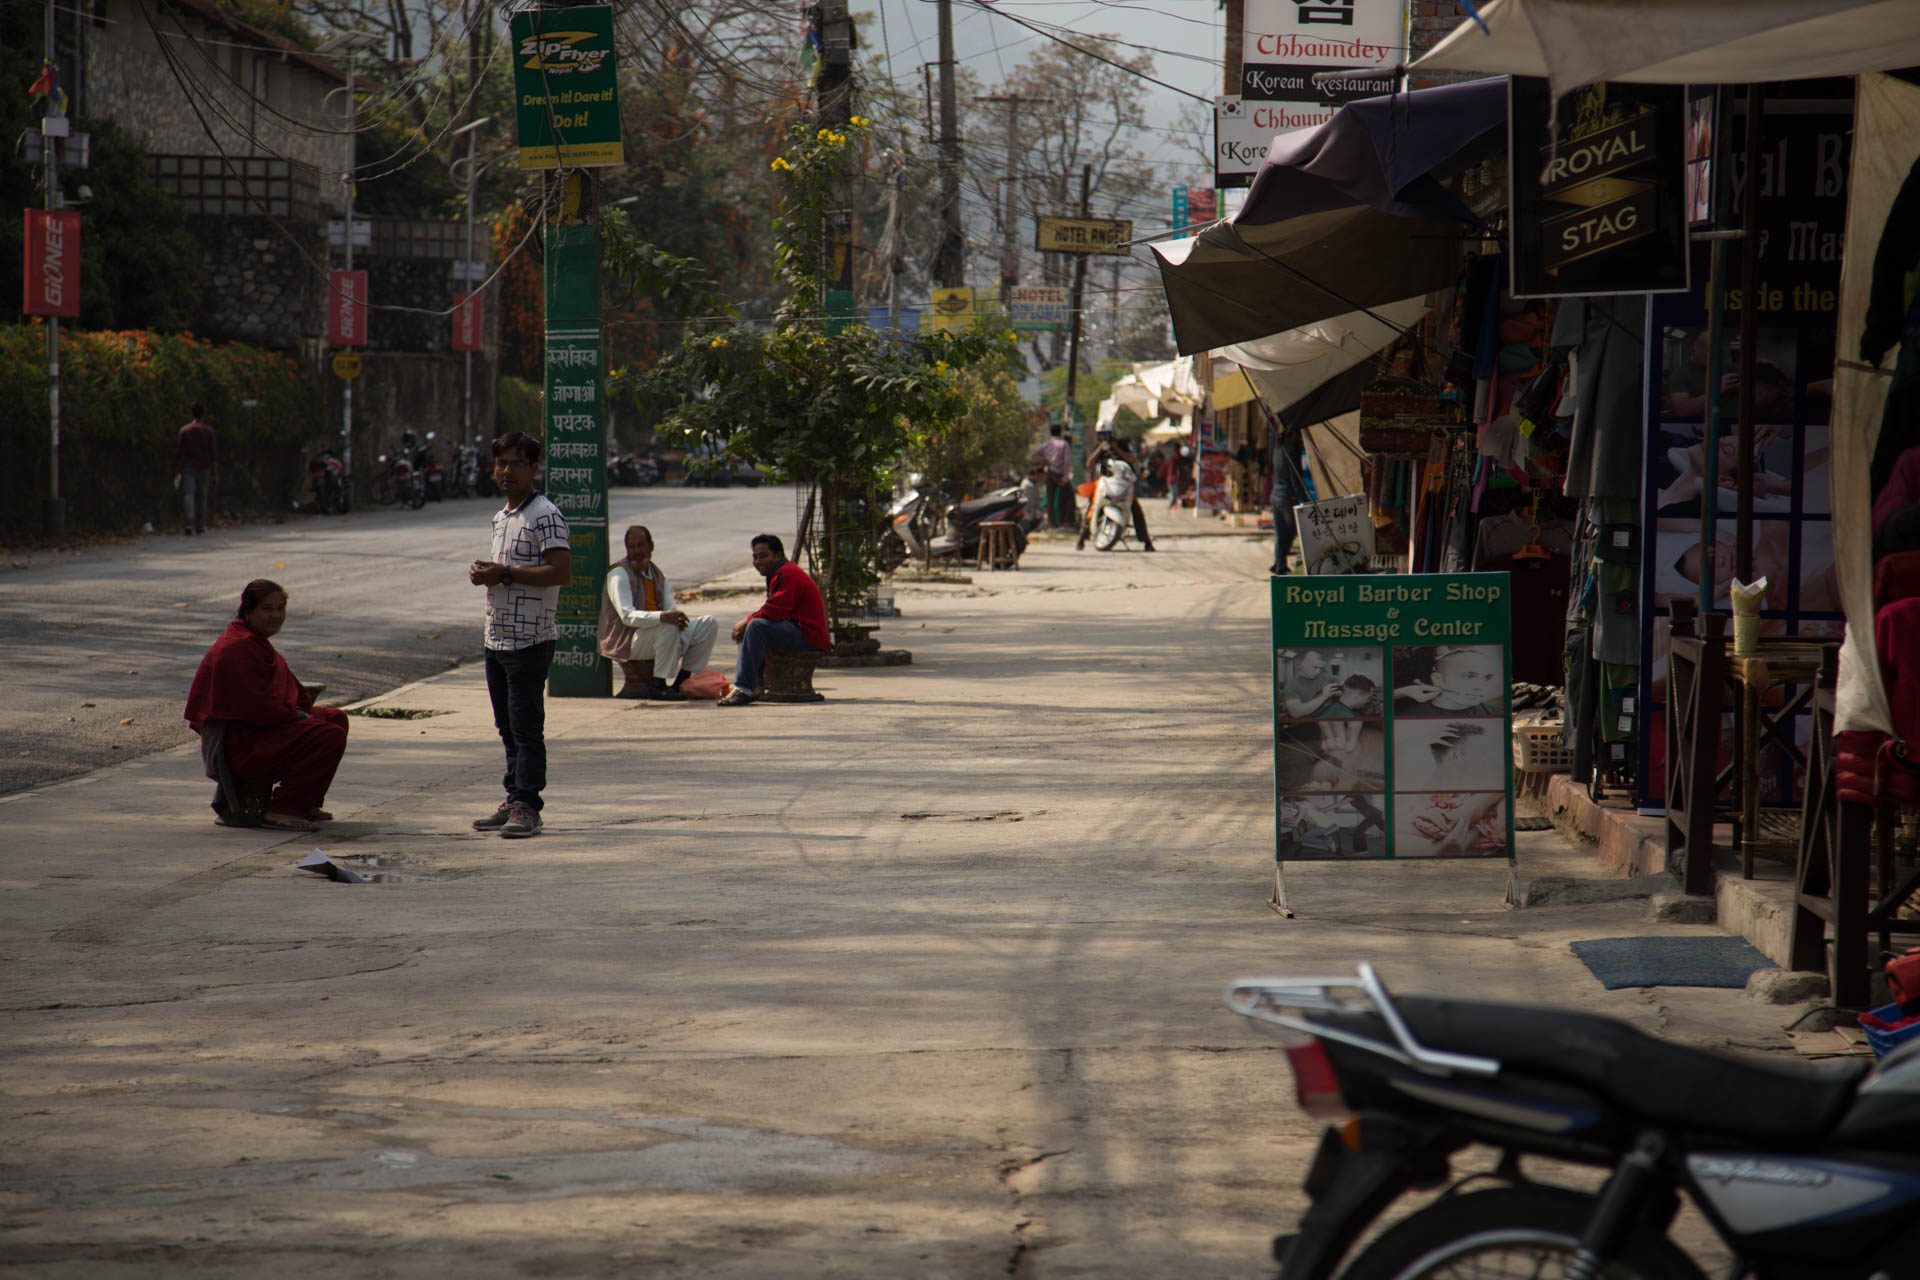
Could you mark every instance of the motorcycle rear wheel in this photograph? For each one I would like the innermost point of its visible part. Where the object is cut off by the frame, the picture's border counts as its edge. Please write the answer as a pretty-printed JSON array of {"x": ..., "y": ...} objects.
[
  {"x": 1531, "y": 1231},
  {"x": 383, "y": 492},
  {"x": 416, "y": 493}
]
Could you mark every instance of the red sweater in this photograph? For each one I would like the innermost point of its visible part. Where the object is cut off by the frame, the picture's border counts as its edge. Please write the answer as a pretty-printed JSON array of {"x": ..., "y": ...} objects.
[
  {"x": 244, "y": 678},
  {"x": 792, "y": 595}
]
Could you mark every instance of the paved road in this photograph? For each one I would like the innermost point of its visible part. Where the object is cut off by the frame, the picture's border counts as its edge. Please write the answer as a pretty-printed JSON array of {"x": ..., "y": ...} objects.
[{"x": 111, "y": 634}]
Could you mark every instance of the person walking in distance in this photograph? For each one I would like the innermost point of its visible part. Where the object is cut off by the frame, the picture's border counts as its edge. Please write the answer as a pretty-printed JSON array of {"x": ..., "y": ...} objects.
[
  {"x": 531, "y": 562},
  {"x": 1057, "y": 457},
  {"x": 196, "y": 466}
]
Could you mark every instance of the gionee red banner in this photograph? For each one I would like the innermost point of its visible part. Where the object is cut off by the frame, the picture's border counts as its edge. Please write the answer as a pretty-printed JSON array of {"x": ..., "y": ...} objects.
[
  {"x": 347, "y": 308},
  {"x": 466, "y": 322},
  {"x": 52, "y": 264}
]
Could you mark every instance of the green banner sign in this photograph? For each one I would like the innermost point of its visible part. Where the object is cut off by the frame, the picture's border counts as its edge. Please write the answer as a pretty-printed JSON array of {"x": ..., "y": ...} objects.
[
  {"x": 576, "y": 462},
  {"x": 1393, "y": 719},
  {"x": 564, "y": 80}
]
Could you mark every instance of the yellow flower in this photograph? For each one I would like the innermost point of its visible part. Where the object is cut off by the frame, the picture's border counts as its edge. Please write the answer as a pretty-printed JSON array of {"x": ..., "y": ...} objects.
[
  {"x": 718, "y": 342},
  {"x": 824, "y": 134},
  {"x": 859, "y": 122},
  {"x": 780, "y": 162},
  {"x": 940, "y": 366}
]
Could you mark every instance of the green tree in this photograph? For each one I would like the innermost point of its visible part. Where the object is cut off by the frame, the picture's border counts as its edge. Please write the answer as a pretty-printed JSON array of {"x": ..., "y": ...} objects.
[
  {"x": 993, "y": 434},
  {"x": 830, "y": 407}
]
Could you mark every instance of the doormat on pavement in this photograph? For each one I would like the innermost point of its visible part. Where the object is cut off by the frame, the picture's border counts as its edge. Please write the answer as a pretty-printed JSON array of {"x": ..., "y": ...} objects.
[{"x": 1670, "y": 962}]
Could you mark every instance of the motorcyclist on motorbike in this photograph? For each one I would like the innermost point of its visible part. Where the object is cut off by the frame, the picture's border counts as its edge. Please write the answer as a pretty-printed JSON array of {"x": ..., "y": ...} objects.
[{"x": 1111, "y": 446}]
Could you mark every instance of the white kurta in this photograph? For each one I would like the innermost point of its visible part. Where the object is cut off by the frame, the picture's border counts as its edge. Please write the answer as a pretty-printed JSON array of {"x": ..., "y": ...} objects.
[{"x": 671, "y": 649}]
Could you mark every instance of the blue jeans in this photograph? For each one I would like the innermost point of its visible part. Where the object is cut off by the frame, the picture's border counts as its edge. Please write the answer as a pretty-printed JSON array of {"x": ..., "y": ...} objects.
[
  {"x": 517, "y": 684},
  {"x": 196, "y": 493},
  {"x": 762, "y": 635}
]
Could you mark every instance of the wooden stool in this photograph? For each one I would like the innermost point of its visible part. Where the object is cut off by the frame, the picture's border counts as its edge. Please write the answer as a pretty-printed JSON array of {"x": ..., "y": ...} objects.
[
  {"x": 788, "y": 676},
  {"x": 997, "y": 547},
  {"x": 639, "y": 676}
]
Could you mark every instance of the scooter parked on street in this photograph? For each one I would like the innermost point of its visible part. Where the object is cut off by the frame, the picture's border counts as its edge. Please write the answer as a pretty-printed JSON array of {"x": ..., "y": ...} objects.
[
  {"x": 1807, "y": 1171},
  {"x": 905, "y": 536},
  {"x": 396, "y": 480}
]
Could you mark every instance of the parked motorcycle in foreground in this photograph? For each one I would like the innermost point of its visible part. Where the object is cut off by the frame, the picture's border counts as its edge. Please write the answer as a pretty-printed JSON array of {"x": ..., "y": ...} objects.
[{"x": 1805, "y": 1170}]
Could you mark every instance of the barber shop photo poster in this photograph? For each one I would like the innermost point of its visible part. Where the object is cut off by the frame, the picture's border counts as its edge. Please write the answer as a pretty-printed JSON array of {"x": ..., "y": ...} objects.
[{"x": 1393, "y": 723}]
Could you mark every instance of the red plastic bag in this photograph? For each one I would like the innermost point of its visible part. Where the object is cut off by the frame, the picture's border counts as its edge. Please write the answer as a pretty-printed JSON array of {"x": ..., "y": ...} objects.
[
  {"x": 706, "y": 684},
  {"x": 1903, "y": 980}
]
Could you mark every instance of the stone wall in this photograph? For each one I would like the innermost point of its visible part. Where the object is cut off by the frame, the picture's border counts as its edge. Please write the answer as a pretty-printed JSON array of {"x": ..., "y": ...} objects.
[
  {"x": 254, "y": 98},
  {"x": 259, "y": 287}
]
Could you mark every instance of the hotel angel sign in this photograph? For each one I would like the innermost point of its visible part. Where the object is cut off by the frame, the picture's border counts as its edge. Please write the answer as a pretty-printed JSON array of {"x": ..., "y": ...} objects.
[{"x": 1598, "y": 200}]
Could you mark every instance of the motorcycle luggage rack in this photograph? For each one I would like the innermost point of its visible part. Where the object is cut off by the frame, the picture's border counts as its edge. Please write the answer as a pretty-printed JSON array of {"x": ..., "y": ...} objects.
[{"x": 1277, "y": 1001}]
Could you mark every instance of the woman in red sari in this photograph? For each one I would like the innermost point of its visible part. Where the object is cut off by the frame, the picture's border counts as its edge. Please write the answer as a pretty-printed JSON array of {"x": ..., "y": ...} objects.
[{"x": 271, "y": 731}]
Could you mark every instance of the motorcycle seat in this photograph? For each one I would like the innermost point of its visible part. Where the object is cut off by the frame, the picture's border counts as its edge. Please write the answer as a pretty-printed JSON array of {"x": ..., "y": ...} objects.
[{"x": 1787, "y": 1102}]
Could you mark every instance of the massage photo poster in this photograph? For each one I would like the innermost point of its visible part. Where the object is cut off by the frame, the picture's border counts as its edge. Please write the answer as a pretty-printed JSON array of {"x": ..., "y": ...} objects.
[{"x": 1393, "y": 718}]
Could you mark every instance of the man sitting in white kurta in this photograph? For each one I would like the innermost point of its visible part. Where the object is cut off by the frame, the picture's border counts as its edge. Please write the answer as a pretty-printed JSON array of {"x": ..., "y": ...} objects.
[{"x": 638, "y": 623}]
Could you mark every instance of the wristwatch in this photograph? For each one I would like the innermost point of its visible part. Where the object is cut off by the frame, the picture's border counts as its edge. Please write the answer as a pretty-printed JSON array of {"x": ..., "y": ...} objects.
[{"x": 506, "y": 575}]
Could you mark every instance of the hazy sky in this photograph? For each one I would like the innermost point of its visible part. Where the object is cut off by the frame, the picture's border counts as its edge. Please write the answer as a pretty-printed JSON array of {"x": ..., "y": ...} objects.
[{"x": 1185, "y": 36}]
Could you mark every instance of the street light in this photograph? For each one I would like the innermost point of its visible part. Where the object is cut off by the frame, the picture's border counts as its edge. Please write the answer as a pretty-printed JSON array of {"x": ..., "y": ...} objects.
[
  {"x": 350, "y": 43},
  {"x": 466, "y": 258}
]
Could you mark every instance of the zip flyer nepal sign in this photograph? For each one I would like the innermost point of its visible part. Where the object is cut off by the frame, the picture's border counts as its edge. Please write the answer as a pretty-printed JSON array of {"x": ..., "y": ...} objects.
[
  {"x": 1284, "y": 45},
  {"x": 1393, "y": 717},
  {"x": 50, "y": 270},
  {"x": 1602, "y": 208},
  {"x": 564, "y": 80}
]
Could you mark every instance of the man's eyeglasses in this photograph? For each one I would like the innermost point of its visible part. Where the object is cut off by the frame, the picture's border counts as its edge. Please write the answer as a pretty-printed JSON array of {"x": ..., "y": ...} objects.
[{"x": 501, "y": 464}]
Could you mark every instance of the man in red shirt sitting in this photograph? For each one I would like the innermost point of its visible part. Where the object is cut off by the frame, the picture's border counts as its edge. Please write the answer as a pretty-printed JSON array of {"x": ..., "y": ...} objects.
[{"x": 794, "y": 617}]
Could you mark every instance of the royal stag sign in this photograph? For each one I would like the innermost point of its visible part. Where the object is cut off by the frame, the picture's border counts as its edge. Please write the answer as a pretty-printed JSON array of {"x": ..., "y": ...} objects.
[
  {"x": 1598, "y": 190},
  {"x": 51, "y": 268}
]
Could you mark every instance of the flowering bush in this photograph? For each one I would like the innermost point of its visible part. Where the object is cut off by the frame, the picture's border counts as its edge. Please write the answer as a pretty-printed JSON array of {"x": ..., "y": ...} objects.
[{"x": 123, "y": 396}]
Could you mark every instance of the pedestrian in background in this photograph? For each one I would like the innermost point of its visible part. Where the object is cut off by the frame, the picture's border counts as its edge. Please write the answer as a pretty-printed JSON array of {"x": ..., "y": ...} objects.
[
  {"x": 531, "y": 562},
  {"x": 196, "y": 466},
  {"x": 1289, "y": 489},
  {"x": 1057, "y": 457}
]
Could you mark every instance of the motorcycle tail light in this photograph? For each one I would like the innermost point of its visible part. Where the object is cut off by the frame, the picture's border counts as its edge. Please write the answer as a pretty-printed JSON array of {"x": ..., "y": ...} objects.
[{"x": 1315, "y": 1086}]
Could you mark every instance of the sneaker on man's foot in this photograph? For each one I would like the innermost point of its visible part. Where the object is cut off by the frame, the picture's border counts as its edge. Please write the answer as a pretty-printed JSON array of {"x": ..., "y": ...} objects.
[
  {"x": 495, "y": 820},
  {"x": 523, "y": 822},
  {"x": 660, "y": 691}
]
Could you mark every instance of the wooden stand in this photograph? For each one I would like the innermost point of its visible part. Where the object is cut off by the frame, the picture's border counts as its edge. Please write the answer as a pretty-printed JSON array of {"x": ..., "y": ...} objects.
[
  {"x": 998, "y": 547},
  {"x": 788, "y": 675}
]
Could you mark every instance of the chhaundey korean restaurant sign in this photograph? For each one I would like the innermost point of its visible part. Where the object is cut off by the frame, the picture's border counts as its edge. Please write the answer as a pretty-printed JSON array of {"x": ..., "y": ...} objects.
[
  {"x": 1287, "y": 43},
  {"x": 1598, "y": 190}
]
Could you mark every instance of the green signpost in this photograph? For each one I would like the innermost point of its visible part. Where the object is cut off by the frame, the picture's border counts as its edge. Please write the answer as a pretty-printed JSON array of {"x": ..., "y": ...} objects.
[
  {"x": 1393, "y": 718},
  {"x": 576, "y": 463},
  {"x": 564, "y": 85}
]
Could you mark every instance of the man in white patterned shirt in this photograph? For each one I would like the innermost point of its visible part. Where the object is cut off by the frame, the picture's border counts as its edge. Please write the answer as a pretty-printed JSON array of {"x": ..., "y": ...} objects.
[{"x": 531, "y": 562}]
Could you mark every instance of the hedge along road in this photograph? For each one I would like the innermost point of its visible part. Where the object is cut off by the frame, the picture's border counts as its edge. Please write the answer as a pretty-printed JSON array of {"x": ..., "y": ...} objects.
[{"x": 377, "y": 598}]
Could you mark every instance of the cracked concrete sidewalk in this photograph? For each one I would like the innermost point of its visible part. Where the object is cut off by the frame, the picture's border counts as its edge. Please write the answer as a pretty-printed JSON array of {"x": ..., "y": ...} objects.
[{"x": 925, "y": 979}]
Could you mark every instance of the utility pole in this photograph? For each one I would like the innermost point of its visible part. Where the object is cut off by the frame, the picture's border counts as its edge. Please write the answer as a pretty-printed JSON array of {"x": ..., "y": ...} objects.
[
  {"x": 1009, "y": 213},
  {"x": 1073, "y": 330},
  {"x": 950, "y": 263},
  {"x": 56, "y": 506},
  {"x": 353, "y": 161}
]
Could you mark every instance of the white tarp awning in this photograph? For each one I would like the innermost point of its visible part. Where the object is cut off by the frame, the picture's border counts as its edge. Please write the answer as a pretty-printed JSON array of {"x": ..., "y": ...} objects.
[
  {"x": 1284, "y": 367},
  {"x": 1581, "y": 42},
  {"x": 1152, "y": 390}
]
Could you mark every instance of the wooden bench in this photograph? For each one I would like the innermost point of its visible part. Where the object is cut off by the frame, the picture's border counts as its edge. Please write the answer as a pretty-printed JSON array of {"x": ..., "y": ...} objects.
[
  {"x": 639, "y": 676},
  {"x": 998, "y": 548},
  {"x": 788, "y": 676}
]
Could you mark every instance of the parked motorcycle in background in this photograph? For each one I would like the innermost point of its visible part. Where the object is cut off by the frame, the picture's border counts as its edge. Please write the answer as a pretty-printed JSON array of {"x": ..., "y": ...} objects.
[
  {"x": 906, "y": 535},
  {"x": 1806, "y": 1170},
  {"x": 460, "y": 475},
  {"x": 483, "y": 468},
  {"x": 396, "y": 480},
  {"x": 327, "y": 476},
  {"x": 632, "y": 469},
  {"x": 426, "y": 467}
]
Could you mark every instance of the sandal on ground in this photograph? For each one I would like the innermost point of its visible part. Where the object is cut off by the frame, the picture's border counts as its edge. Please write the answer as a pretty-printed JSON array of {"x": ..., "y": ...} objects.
[
  {"x": 289, "y": 822},
  {"x": 738, "y": 697},
  {"x": 318, "y": 815}
]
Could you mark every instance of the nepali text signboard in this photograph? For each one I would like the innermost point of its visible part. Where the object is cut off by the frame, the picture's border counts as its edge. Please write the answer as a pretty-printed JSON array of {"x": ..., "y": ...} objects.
[
  {"x": 51, "y": 268},
  {"x": 1600, "y": 206},
  {"x": 346, "y": 308},
  {"x": 576, "y": 461},
  {"x": 1038, "y": 308},
  {"x": 1393, "y": 724},
  {"x": 1083, "y": 235},
  {"x": 1286, "y": 44},
  {"x": 564, "y": 82}
]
